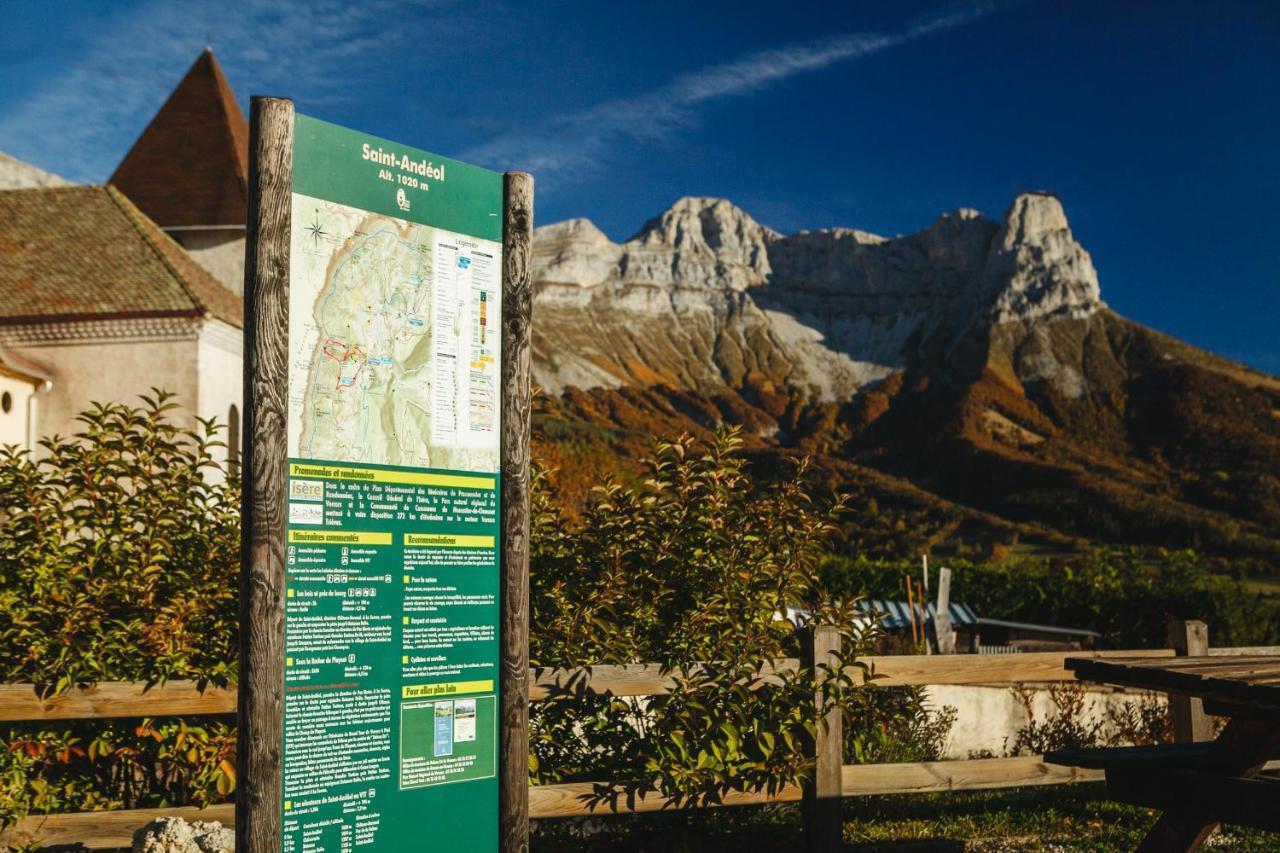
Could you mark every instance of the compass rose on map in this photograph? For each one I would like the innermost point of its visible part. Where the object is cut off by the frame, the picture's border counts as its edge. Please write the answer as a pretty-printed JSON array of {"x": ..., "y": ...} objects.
[{"x": 317, "y": 230}]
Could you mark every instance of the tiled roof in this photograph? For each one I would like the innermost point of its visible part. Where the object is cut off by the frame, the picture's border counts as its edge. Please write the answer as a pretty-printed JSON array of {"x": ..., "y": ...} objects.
[
  {"x": 86, "y": 251},
  {"x": 190, "y": 167}
]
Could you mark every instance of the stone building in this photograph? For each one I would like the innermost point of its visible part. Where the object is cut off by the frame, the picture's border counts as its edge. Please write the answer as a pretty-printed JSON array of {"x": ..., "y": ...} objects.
[
  {"x": 98, "y": 303},
  {"x": 109, "y": 291}
]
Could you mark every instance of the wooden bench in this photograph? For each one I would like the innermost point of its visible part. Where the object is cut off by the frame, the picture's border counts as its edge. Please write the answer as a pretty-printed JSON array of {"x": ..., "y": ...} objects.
[
  {"x": 1183, "y": 776},
  {"x": 1197, "y": 785}
]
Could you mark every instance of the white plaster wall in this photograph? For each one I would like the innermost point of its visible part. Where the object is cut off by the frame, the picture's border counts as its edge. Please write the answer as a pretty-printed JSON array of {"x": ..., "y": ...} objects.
[
  {"x": 17, "y": 175},
  {"x": 220, "y": 375},
  {"x": 13, "y": 423},
  {"x": 988, "y": 718},
  {"x": 219, "y": 251},
  {"x": 111, "y": 372}
]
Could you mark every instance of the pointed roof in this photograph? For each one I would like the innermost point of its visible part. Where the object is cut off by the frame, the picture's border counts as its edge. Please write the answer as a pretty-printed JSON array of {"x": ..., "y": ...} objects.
[
  {"x": 190, "y": 167},
  {"x": 85, "y": 252}
]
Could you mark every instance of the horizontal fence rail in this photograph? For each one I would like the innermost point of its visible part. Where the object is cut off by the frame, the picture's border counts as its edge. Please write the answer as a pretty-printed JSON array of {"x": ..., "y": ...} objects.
[
  {"x": 114, "y": 829},
  {"x": 106, "y": 830},
  {"x": 20, "y": 702}
]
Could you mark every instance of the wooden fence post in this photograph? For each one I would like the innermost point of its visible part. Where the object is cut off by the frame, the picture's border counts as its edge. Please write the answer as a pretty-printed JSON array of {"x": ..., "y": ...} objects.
[
  {"x": 517, "y": 311},
  {"x": 260, "y": 747},
  {"x": 943, "y": 631},
  {"x": 823, "y": 814},
  {"x": 1190, "y": 723}
]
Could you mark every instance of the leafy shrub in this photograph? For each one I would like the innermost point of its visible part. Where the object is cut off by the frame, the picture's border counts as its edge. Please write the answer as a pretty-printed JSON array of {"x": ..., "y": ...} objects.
[
  {"x": 119, "y": 560},
  {"x": 119, "y": 554},
  {"x": 895, "y": 724},
  {"x": 697, "y": 563},
  {"x": 1140, "y": 722}
]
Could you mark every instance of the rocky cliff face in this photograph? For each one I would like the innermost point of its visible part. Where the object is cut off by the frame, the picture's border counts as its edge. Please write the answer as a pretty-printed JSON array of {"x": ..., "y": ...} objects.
[
  {"x": 705, "y": 298},
  {"x": 968, "y": 378}
]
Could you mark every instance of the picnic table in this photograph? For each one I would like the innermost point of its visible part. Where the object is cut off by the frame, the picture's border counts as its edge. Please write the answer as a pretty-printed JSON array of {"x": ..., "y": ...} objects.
[{"x": 1197, "y": 785}]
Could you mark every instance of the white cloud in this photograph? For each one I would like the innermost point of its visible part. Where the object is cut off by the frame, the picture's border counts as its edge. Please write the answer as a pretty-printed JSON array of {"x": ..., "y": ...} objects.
[
  {"x": 80, "y": 123},
  {"x": 574, "y": 145}
]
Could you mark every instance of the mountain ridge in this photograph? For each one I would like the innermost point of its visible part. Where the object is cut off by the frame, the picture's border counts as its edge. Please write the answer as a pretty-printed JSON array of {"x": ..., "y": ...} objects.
[{"x": 974, "y": 360}]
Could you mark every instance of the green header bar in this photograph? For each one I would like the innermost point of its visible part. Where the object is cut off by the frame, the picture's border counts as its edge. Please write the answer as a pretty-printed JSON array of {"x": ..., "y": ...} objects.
[{"x": 364, "y": 171}]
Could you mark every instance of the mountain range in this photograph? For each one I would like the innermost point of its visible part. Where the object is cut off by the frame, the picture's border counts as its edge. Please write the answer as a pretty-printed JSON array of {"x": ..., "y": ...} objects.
[{"x": 967, "y": 385}]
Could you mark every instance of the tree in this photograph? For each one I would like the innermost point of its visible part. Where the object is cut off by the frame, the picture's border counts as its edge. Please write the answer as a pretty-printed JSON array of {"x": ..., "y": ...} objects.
[{"x": 704, "y": 571}]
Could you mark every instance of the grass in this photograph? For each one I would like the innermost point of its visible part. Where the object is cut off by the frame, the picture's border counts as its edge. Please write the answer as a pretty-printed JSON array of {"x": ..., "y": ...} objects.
[{"x": 1074, "y": 818}]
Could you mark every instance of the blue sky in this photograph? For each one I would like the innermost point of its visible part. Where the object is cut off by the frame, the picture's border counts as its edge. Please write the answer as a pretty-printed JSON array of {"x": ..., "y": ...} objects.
[{"x": 1157, "y": 123}]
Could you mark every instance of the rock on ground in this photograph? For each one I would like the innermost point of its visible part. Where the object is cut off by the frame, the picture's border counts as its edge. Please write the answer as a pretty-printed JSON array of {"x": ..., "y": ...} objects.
[{"x": 175, "y": 835}]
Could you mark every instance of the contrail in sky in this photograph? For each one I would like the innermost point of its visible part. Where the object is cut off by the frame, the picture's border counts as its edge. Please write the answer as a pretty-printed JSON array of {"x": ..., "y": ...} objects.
[{"x": 574, "y": 144}]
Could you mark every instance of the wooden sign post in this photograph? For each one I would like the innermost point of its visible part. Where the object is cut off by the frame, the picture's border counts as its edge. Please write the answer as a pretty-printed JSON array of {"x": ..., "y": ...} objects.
[{"x": 384, "y": 590}]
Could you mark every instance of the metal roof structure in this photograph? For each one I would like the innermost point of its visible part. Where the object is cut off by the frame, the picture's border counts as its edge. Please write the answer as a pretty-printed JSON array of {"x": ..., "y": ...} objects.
[{"x": 896, "y": 615}]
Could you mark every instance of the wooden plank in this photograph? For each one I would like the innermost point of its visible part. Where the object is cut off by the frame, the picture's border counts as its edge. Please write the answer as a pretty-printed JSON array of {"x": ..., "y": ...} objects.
[
  {"x": 891, "y": 670},
  {"x": 1162, "y": 755},
  {"x": 987, "y": 669},
  {"x": 1193, "y": 756},
  {"x": 517, "y": 314},
  {"x": 944, "y": 633},
  {"x": 823, "y": 816},
  {"x": 266, "y": 389},
  {"x": 967, "y": 775},
  {"x": 1220, "y": 680},
  {"x": 1237, "y": 651},
  {"x": 19, "y": 702},
  {"x": 1205, "y": 664},
  {"x": 1189, "y": 638},
  {"x": 99, "y": 830},
  {"x": 103, "y": 830},
  {"x": 582, "y": 799},
  {"x": 115, "y": 699},
  {"x": 857, "y": 780}
]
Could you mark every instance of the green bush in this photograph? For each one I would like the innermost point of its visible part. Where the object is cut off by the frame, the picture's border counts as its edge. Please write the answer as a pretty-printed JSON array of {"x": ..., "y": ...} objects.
[
  {"x": 119, "y": 557},
  {"x": 119, "y": 561},
  {"x": 119, "y": 554},
  {"x": 697, "y": 563}
]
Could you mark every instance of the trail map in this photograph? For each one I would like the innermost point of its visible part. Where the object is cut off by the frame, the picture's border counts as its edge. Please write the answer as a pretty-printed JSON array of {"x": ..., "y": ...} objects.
[{"x": 399, "y": 347}]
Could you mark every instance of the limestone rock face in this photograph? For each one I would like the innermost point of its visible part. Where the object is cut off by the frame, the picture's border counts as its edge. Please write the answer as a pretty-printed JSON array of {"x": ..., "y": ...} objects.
[
  {"x": 703, "y": 243},
  {"x": 1036, "y": 268},
  {"x": 704, "y": 297},
  {"x": 175, "y": 835}
]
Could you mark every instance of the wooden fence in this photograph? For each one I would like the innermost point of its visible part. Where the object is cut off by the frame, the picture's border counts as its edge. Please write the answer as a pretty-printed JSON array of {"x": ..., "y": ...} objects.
[{"x": 833, "y": 781}]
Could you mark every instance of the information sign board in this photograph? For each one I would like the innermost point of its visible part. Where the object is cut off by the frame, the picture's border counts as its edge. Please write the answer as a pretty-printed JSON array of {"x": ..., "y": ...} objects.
[{"x": 392, "y": 590}]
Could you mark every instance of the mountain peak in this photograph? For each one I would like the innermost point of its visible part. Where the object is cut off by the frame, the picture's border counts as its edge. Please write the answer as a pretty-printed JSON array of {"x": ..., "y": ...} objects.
[
  {"x": 1031, "y": 216},
  {"x": 709, "y": 231},
  {"x": 1036, "y": 268},
  {"x": 701, "y": 222}
]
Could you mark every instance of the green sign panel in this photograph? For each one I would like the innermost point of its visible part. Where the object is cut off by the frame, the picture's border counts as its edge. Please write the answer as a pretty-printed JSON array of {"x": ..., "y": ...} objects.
[{"x": 392, "y": 590}]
